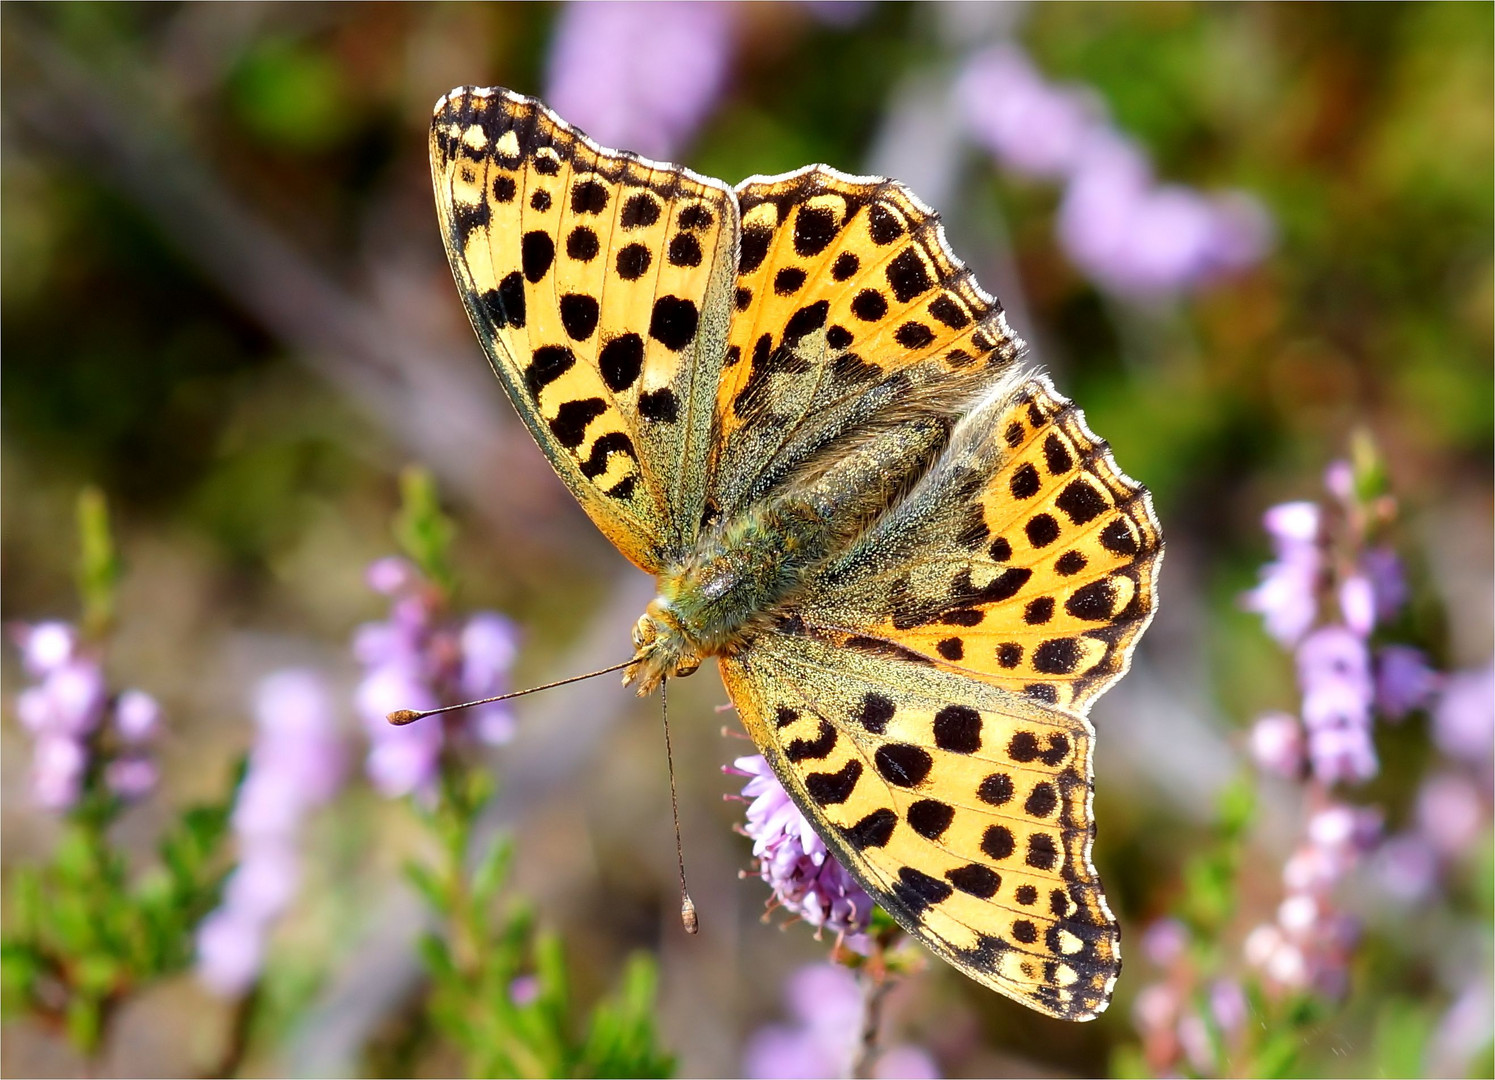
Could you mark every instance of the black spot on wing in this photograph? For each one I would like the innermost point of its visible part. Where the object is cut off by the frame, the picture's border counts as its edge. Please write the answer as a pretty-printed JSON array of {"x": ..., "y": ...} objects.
[
  {"x": 884, "y": 225},
  {"x": 685, "y": 250},
  {"x": 1025, "y": 482},
  {"x": 872, "y": 831},
  {"x": 579, "y": 315},
  {"x": 621, "y": 360},
  {"x": 916, "y": 890},
  {"x": 633, "y": 261},
  {"x": 957, "y": 728},
  {"x": 975, "y": 880},
  {"x": 547, "y": 363},
  {"x": 639, "y": 211},
  {"x": 814, "y": 229},
  {"x": 907, "y": 276},
  {"x": 903, "y": 764},
  {"x": 673, "y": 322},
  {"x": 930, "y": 818},
  {"x": 582, "y": 245},
  {"x": 660, "y": 406},
  {"x": 536, "y": 253},
  {"x": 1058, "y": 656},
  {"x": 1095, "y": 602},
  {"x": 504, "y": 305},
  {"x": 612, "y": 443},
  {"x": 754, "y": 248},
  {"x": 813, "y": 749},
  {"x": 1081, "y": 501},
  {"x": 571, "y": 420},
  {"x": 995, "y": 790},
  {"x": 832, "y": 789},
  {"x": 588, "y": 197},
  {"x": 913, "y": 335},
  {"x": 875, "y": 712}
]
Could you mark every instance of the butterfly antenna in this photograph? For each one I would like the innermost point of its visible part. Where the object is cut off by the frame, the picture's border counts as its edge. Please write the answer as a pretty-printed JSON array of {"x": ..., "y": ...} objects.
[
  {"x": 401, "y": 717},
  {"x": 687, "y": 905}
]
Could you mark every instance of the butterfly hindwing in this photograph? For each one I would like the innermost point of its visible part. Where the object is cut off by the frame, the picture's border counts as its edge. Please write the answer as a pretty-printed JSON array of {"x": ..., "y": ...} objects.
[
  {"x": 963, "y": 809},
  {"x": 1026, "y": 559},
  {"x": 847, "y": 299},
  {"x": 598, "y": 283}
]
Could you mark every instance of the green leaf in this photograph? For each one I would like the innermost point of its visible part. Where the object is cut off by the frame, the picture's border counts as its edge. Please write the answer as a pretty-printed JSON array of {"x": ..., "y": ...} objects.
[
  {"x": 423, "y": 532},
  {"x": 492, "y": 871},
  {"x": 98, "y": 564},
  {"x": 432, "y": 889}
]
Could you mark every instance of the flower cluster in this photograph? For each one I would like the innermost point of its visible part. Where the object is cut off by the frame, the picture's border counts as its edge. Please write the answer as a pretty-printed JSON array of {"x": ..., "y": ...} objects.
[
  {"x": 77, "y": 724},
  {"x": 1308, "y": 946},
  {"x": 805, "y": 878},
  {"x": 1130, "y": 234},
  {"x": 1172, "y": 1027},
  {"x": 296, "y": 765},
  {"x": 1324, "y": 595},
  {"x": 826, "y": 1003},
  {"x": 639, "y": 75},
  {"x": 421, "y": 658}
]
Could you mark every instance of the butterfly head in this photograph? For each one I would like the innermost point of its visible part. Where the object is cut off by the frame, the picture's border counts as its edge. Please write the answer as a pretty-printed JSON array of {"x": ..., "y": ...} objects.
[{"x": 661, "y": 649}]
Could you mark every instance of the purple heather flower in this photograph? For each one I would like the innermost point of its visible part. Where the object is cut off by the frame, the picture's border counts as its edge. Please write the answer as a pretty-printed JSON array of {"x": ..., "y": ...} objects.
[
  {"x": 1334, "y": 674},
  {"x": 1404, "y": 681},
  {"x": 1451, "y": 813},
  {"x": 525, "y": 990},
  {"x": 137, "y": 716},
  {"x": 1139, "y": 239},
  {"x": 67, "y": 707},
  {"x": 639, "y": 75},
  {"x": 296, "y": 765},
  {"x": 1277, "y": 745},
  {"x": 46, "y": 646},
  {"x": 1407, "y": 868},
  {"x": 419, "y": 658},
  {"x": 1228, "y": 1005},
  {"x": 1287, "y": 597},
  {"x": 1028, "y": 124},
  {"x": 1357, "y": 604},
  {"x": 1465, "y": 1032},
  {"x": 132, "y": 777},
  {"x": 1388, "y": 582},
  {"x": 230, "y": 952},
  {"x": 804, "y": 875},
  {"x": 57, "y": 767},
  {"x": 265, "y": 881},
  {"x": 825, "y": 1002},
  {"x": 1164, "y": 941},
  {"x": 1464, "y": 718}
]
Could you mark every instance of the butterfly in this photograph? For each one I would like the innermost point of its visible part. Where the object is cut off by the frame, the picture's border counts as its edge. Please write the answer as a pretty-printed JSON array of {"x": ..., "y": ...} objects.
[{"x": 913, "y": 562}]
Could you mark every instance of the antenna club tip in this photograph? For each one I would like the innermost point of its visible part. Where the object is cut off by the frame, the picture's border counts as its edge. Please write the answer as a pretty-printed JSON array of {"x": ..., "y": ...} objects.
[
  {"x": 401, "y": 717},
  {"x": 688, "y": 916}
]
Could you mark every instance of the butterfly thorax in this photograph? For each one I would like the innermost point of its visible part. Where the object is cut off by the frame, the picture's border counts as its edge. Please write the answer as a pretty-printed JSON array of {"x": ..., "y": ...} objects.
[{"x": 746, "y": 569}]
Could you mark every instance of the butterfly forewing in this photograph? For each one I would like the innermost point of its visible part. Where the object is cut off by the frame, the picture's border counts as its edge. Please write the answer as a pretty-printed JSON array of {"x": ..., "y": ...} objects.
[
  {"x": 846, "y": 298},
  {"x": 962, "y": 808},
  {"x": 599, "y": 285}
]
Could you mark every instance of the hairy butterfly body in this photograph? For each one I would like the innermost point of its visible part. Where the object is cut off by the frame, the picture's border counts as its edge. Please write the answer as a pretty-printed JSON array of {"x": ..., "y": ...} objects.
[{"x": 915, "y": 564}]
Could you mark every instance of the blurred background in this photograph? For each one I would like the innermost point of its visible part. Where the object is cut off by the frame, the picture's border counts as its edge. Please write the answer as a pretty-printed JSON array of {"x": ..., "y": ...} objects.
[{"x": 1237, "y": 236}]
